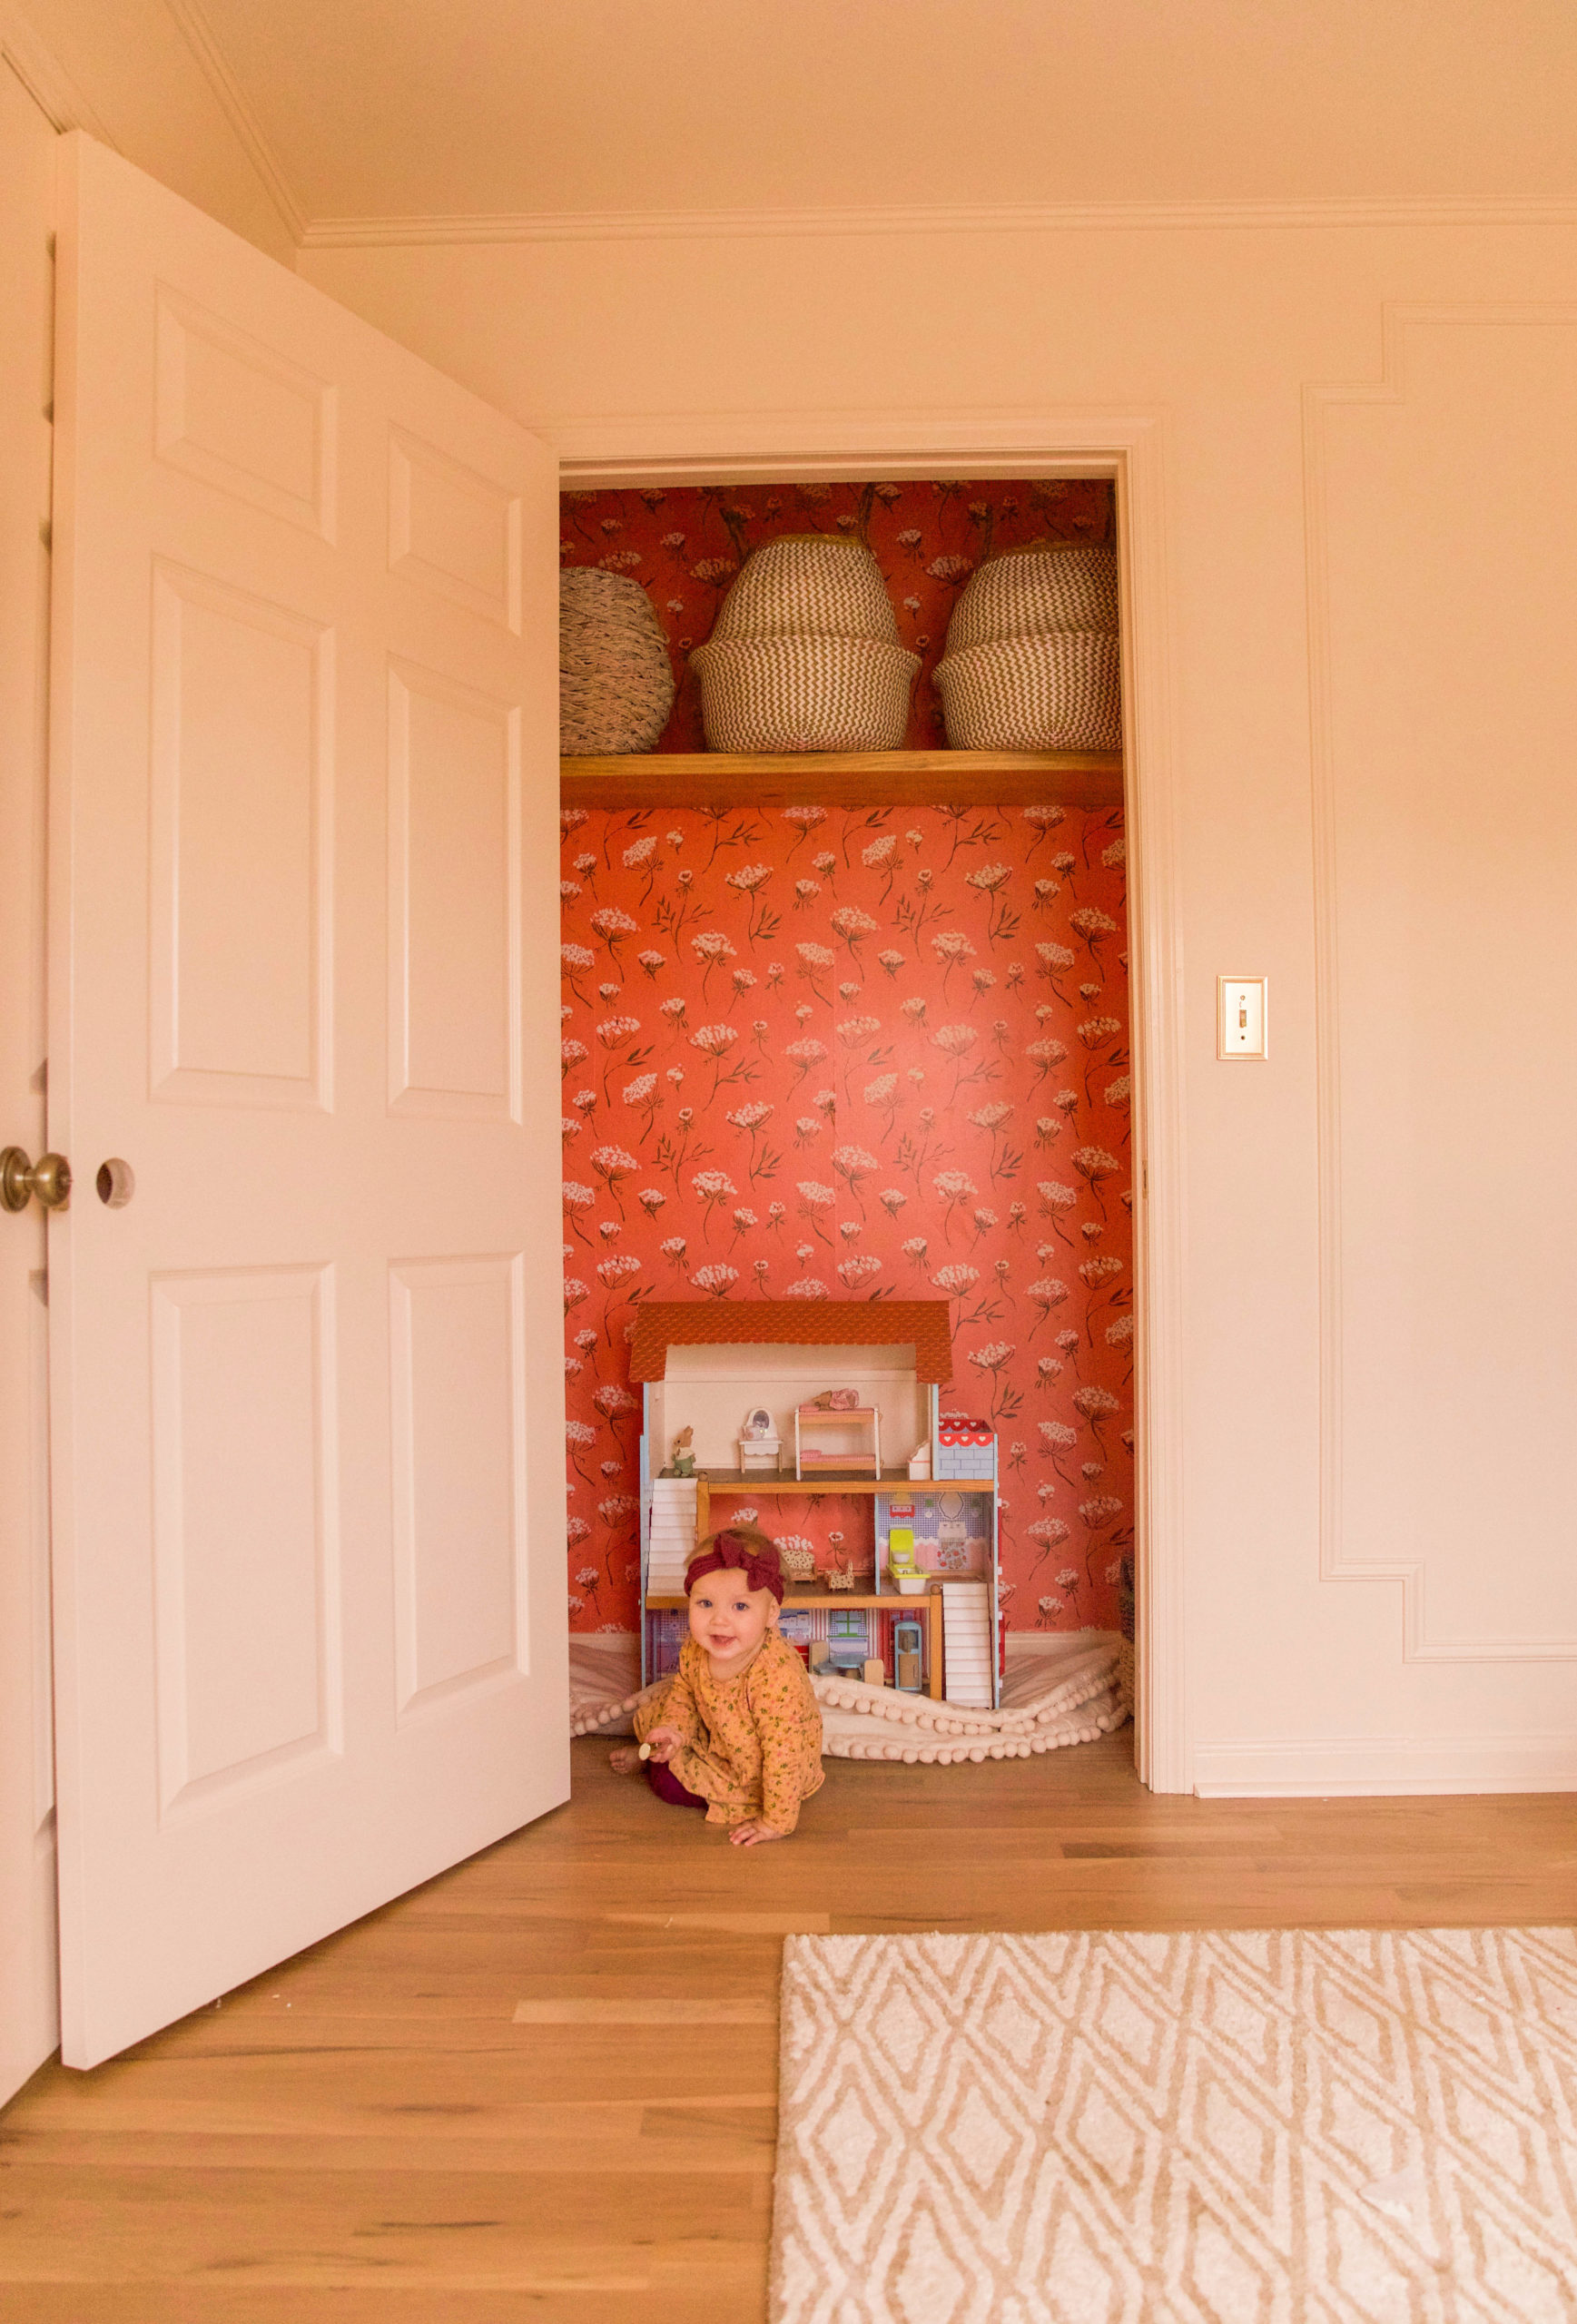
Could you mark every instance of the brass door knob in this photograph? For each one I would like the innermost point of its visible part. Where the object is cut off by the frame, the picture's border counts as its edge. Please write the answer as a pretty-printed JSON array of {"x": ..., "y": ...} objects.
[{"x": 49, "y": 1179}]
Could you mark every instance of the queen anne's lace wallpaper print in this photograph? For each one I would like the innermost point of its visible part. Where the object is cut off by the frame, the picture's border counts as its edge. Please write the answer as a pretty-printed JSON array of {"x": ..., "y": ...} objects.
[
  {"x": 686, "y": 546},
  {"x": 826, "y": 1053},
  {"x": 821, "y": 1054}
]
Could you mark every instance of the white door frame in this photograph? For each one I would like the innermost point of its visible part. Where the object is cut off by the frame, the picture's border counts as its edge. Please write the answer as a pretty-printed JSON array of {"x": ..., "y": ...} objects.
[{"x": 1129, "y": 446}]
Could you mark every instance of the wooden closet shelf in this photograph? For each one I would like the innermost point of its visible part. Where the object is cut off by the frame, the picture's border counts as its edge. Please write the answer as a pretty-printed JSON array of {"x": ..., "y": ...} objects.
[{"x": 845, "y": 779}]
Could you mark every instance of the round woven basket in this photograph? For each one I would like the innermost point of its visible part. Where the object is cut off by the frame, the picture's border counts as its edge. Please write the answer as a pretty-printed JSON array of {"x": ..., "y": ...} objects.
[
  {"x": 816, "y": 584},
  {"x": 1125, "y": 1670},
  {"x": 1054, "y": 691},
  {"x": 615, "y": 681},
  {"x": 804, "y": 693},
  {"x": 1047, "y": 585}
]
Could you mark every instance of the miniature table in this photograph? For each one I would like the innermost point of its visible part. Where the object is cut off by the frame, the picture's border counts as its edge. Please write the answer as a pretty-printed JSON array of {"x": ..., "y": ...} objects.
[{"x": 801, "y": 1596}]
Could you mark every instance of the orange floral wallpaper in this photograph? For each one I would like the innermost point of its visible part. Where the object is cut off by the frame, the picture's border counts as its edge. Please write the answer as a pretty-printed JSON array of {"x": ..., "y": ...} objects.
[
  {"x": 686, "y": 546},
  {"x": 822, "y": 1053}
]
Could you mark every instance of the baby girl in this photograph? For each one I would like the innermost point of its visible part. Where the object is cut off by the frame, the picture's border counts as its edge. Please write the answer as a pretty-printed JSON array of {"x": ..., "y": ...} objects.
[{"x": 736, "y": 1730}]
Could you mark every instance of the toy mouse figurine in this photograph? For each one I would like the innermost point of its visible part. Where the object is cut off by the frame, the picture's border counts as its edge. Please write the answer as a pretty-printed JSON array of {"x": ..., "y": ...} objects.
[{"x": 684, "y": 1458}]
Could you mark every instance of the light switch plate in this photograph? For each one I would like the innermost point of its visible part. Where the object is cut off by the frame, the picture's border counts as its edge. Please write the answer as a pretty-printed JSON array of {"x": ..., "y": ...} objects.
[{"x": 1242, "y": 1018}]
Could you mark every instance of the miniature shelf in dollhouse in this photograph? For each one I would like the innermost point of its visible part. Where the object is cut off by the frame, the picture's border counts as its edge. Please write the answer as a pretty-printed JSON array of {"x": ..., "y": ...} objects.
[
  {"x": 730, "y": 1482},
  {"x": 747, "y": 1481},
  {"x": 798, "y": 1597},
  {"x": 845, "y": 779}
]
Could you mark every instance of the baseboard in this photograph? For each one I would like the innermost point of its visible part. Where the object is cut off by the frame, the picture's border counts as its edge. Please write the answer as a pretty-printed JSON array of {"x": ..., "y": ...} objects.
[{"x": 1356, "y": 1765}]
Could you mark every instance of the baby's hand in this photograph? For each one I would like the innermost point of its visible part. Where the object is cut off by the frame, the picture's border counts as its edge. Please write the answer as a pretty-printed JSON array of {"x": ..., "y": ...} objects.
[
  {"x": 747, "y": 1836},
  {"x": 661, "y": 1744}
]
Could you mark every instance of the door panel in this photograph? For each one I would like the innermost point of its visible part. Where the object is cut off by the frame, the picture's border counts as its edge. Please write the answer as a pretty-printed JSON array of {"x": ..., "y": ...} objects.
[
  {"x": 454, "y": 808},
  {"x": 308, "y": 1411},
  {"x": 234, "y": 411},
  {"x": 245, "y": 1570},
  {"x": 460, "y": 1412},
  {"x": 454, "y": 531},
  {"x": 242, "y": 810}
]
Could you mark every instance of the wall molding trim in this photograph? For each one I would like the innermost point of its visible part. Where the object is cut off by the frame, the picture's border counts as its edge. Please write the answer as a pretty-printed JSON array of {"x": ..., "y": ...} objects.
[
  {"x": 195, "y": 31},
  {"x": 1397, "y": 320},
  {"x": 919, "y": 218},
  {"x": 45, "y": 78},
  {"x": 1129, "y": 447},
  {"x": 1358, "y": 1766}
]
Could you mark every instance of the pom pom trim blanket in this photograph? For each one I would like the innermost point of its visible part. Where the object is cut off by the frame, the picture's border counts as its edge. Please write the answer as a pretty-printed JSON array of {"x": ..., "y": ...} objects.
[{"x": 1070, "y": 1694}]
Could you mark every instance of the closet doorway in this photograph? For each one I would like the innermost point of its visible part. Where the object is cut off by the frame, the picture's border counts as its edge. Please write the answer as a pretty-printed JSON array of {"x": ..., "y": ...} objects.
[{"x": 863, "y": 1029}]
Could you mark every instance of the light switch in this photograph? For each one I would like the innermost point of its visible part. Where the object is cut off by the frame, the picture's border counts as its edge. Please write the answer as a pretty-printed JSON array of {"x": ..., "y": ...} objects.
[{"x": 1240, "y": 1017}]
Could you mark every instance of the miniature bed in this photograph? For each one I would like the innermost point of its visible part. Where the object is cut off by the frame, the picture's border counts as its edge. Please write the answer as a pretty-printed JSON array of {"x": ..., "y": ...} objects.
[{"x": 1064, "y": 1690}]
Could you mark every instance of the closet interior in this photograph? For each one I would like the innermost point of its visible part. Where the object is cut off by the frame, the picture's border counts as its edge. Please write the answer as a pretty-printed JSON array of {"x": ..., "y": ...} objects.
[{"x": 850, "y": 1026}]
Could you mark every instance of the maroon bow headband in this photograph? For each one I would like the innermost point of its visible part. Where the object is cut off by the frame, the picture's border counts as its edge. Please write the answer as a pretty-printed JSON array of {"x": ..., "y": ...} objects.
[{"x": 730, "y": 1554}]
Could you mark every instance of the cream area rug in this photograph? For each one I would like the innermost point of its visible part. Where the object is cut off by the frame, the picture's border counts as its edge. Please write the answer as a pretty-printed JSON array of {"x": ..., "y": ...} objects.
[
  {"x": 1293, "y": 2127},
  {"x": 1063, "y": 1691}
]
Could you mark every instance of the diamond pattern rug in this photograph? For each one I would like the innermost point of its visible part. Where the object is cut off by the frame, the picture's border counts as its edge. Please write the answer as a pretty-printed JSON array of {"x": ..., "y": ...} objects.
[{"x": 1262, "y": 2127}]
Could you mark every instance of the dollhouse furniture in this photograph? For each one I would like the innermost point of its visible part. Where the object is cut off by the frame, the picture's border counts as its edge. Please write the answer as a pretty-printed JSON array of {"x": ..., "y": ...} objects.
[
  {"x": 760, "y": 1446},
  {"x": 906, "y": 1656},
  {"x": 848, "y": 1640},
  {"x": 856, "y": 1448},
  {"x": 697, "y": 1364}
]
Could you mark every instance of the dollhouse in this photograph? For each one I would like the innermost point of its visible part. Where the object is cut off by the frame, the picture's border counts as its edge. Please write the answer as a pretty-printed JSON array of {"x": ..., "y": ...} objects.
[{"x": 907, "y": 1594}]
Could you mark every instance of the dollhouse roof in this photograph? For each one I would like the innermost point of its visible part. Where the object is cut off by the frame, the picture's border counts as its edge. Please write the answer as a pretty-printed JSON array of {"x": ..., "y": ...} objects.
[{"x": 793, "y": 1323}]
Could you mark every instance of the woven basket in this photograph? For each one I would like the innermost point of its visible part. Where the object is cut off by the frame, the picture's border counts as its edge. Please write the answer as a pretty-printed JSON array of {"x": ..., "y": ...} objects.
[
  {"x": 1055, "y": 692},
  {"x": 615, "y": 681},
  {"x": 804, "y": 693},
  {"x": 1125, "y": 1670},
  {"x": 1049, "y": 584},
  {"x": 816, "y": 585}
]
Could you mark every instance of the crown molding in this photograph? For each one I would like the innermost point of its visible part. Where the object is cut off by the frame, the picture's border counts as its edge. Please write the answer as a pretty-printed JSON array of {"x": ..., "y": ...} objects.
[
  {"x": 1021, "y": 218},
  {"x": 45, "y": 78},
  {"x": 198, "y": 34}
]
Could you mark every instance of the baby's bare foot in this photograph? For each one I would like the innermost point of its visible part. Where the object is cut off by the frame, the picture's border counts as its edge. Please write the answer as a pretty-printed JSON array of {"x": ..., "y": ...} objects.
[{"x": 624, "y": 1759}]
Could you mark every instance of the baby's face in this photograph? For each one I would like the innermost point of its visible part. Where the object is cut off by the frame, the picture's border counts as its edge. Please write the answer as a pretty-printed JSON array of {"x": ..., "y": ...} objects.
[{"x": 728, "y": 1619}]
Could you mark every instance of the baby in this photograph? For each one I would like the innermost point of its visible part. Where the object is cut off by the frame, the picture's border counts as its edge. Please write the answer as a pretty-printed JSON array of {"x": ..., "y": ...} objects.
[{"x": 737, "y": 1731}]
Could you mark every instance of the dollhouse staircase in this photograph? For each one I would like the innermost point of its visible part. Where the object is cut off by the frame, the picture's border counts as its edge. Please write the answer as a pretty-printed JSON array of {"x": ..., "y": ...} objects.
[
  {"x": 671, "y": 1541},
  {"x": 966, "y": 1636}
]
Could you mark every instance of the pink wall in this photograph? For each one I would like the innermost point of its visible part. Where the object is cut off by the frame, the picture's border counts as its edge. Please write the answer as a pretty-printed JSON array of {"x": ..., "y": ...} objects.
[{"x": 833, "y": 1053}]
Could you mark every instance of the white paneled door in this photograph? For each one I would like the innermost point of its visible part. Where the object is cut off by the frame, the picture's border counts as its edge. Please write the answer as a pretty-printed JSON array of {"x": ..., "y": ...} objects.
[{"x": 306, "y": 1386}]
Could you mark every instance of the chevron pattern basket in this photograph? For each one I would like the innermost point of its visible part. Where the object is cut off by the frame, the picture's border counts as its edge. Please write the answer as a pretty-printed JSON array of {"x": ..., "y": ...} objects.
[
  {"x": 805, "y": 694},
  {"x": 1049, "y": 584},
  {"x": 804, "y": 653},
  {"x": 1054, "y": 691},
  {"x": 808, "y": 585},
  {"x": 615, "y": 681}
]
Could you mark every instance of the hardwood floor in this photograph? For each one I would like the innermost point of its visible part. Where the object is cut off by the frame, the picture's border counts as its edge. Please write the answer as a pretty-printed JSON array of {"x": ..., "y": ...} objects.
[{"x": 542, "y": 2086}]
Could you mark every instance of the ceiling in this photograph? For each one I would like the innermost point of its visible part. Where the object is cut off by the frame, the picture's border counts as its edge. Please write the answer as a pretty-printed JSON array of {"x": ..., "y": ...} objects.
[{"x": 394, "y": 118}]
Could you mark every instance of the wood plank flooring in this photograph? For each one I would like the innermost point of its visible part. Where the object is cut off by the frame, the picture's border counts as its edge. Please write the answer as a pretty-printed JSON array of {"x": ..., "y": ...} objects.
[{"x": 543, "y": 2086}]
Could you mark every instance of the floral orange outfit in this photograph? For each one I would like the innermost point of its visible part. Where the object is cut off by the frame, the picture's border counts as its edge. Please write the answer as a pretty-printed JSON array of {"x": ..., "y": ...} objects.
[{"x": 751, "y": 1745}]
